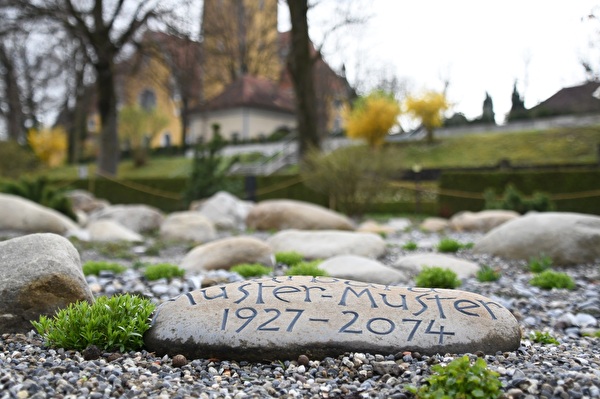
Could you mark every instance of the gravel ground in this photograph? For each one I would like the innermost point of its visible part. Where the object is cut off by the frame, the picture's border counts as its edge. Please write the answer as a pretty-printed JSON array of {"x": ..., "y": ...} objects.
[{"x": 570, "y": 369}]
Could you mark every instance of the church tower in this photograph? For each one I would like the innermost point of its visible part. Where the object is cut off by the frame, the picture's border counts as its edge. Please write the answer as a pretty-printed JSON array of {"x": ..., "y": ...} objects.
[{"x": 239, "y": 37}]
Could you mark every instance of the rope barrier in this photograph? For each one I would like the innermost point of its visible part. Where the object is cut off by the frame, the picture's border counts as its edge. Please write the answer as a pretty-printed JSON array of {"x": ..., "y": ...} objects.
[
  {"x": 472, "y": 195},
  {"x": 279, "y": 186},
  {"x": 142, "y": 188}
]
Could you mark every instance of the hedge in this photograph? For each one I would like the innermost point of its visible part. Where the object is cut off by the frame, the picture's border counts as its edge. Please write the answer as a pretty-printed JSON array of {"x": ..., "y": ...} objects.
[
  {"x": 157, "y": 192},
  {"x": 457, "y": 187}
]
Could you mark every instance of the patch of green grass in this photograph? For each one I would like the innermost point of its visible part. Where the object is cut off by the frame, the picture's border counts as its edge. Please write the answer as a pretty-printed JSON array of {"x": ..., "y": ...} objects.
[
  {"x": 437, "y": 277},
  {"x": 561, "y": 145},
  {"x": 460, "y": 379},
  {"x": 95, "y": 267},
  {"x": 543, "y": 338},
  {"x": 116, "y": 323},
  {"x": 306, "y": 269},
  {"x": 486, "y": 274},
  {"x": 549, "y": 279},
  {"x": 538, "y": 264},
  {"x": 162, "y": 270},
  {"x": 247, "y": 270}
]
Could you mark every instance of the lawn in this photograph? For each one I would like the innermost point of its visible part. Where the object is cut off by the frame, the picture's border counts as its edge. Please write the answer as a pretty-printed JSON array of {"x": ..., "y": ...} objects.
[{"x": 563, "y": 145}]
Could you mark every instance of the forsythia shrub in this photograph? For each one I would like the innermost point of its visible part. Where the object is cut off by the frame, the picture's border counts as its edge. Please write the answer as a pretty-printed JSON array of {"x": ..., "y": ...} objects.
[
  {"x": 49, "y": 145},
  {"x": 372, "y": 117},
  {"x": 429, "y": 109}
]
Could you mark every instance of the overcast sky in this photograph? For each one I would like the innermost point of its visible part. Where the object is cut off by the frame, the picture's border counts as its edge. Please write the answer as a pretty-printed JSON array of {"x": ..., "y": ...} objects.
[{"x": 478, "y": 46}]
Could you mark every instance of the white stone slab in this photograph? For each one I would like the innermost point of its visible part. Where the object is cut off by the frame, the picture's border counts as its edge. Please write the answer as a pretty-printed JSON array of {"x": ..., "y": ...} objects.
[{"x": 284, "y": 317}]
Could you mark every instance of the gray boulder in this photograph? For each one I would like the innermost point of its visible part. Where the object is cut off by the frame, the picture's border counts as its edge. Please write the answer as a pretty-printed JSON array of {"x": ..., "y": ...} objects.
[
  {"x": 414, "y": 264},
  {"x": 21, "y": 214},
  {"x": 226, "y": 253},
  {"x": 188, "y": 226},
  {"x": 85, "y": 201},
  {"x": 291, "y": 214},
  {"x": 482, "y": 221},
  {"x": 111, "y": 231},
  {"x": 434, "y": 224},
  {"x": 359, "y": 268},
  {"x": 41, "y": 273},
  {"x": 139, "y": 218},
  {"x": 567, "y": 238},
  {"x": 225, "y": 210},
  {"x": 285, "y": 317},
  {"x": 328, "y": 243}
]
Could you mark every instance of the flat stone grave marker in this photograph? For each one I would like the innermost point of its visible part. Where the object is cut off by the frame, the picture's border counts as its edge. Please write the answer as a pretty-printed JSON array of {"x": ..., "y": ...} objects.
[{"x": 284, "y": 317}]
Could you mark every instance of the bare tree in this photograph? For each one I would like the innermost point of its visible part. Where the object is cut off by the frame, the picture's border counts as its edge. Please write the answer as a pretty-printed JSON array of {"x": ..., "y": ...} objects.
[
  {"x": 104, "y": 29},
  {"x": 301, "y": 67}
]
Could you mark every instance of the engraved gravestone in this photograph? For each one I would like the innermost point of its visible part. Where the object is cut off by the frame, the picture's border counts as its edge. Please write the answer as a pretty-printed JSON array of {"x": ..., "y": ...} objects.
[{"x": 284, "y": 317}]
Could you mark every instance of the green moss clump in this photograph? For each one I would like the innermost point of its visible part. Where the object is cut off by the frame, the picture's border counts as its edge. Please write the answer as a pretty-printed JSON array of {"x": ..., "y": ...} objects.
[
  {"x": 450, "y": 245},
  {"x": 95, "y": 267},
  {"x": 437, "y": 277},
  {"x": 549, "y": 279},
  {"x": 538, "y": 264},
  {"x": 247, "y": 270},
  {"x": 410, "y": 246},
  {"x": 306, "y": 269},
  {"x": 543, "y": 338},
  {"x": 116, "y": 323},
  {"x": 486, "y": 274},
  {"x": 460, "y": 379},
  {"x": 163, "y": 270},
  {"x": 290, "y": 258}
]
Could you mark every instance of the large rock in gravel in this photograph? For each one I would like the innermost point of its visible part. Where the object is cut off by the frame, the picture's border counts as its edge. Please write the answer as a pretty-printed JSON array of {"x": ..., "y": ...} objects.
[
  {"x": 139, "y": 218},
  {"x": 284, "y": 317},
  {"x": 482, "y": 221},
  {"x": 41, "y": 273},
  {"x": 225, "y": 210},
  {"x": 359, "y": 268},
  {"x": 328, "y": 243},
  {"x": 189, "y": 226},
  {"x": 111, "y": 231},
  {"x": 434, "y": 225},
  {"x": 18, "y": 213},
  {"x": 228, "y": 252},
  {"x": 85, "y": 201},
  {"x": 414, "y": 264},
  {"x": 567, "y": 238},
  {"x": 291, "y": 214}
]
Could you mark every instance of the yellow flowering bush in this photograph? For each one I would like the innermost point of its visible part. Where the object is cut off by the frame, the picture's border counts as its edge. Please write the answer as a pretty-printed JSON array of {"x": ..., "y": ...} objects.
[
  {"x": 49, "y": 145},
  {"x": 372, "y": 117},
  {"x": 429, "y": 109}
]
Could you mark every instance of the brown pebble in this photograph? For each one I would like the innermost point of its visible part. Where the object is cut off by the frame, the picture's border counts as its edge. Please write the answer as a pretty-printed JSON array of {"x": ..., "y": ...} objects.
[
  {"x": 179, "y": 361},
  {"x": 91, "y": 353},
  {"x": 113, "y": 356},
  {"x": 303, "y": 360}
]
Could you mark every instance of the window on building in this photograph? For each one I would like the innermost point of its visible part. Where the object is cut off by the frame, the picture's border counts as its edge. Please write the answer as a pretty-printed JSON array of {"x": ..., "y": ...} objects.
[{"x": 148, "y": 99}]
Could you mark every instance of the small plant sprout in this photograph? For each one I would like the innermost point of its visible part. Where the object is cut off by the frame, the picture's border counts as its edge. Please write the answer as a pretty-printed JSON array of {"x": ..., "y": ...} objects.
[
  {"x": 549, "y": 279},
  {"x": 247, "y": 270},
  {"x": 538, "y": 264},
  {"x": 437, "y": 277},
  {"x": 306, "y": 269},
  {"x": 543, "y": 338},
  {"x": 116, "y": 323},
  {"x": 486, "y": 274},
  {"x": 460, "y": 379}
]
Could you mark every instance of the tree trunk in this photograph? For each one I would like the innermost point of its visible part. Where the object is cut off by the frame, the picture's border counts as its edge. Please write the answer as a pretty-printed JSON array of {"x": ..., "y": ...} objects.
[
  {"x": 185, "y": 122},
  {"x": 108, "y": 158},
  {"x": 15, "y": 117},
  {"x": 301, "y": 65},
  {"x": 429, "y": 136}
]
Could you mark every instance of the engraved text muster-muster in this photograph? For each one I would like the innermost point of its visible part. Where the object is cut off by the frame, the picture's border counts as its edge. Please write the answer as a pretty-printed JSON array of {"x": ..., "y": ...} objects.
[{"x": 279, "y": 304}]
